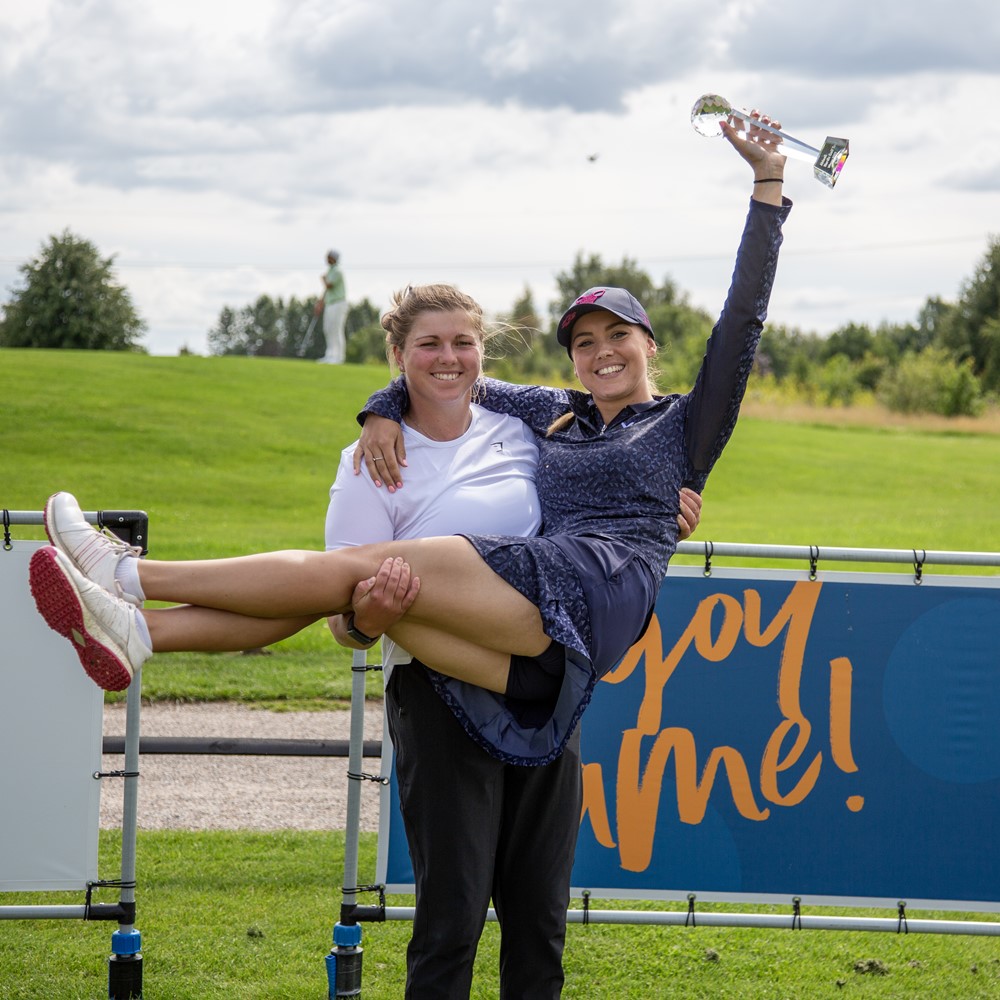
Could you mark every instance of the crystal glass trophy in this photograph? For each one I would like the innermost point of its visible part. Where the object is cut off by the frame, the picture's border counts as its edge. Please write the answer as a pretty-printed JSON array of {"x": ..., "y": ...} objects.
[{"x": 711, "y": 109}]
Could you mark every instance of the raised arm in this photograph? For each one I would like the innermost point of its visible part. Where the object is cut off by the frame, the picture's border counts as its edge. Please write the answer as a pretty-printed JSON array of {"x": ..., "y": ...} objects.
[{"x": 714, "y": 402}]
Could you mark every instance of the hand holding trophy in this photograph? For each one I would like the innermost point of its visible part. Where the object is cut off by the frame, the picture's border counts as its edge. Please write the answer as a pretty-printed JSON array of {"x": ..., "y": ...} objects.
[{"x": 711, "y": 109}]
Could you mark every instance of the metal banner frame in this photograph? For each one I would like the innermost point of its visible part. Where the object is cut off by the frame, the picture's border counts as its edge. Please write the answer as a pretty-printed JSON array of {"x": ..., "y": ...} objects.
[
  {"x": 125, "y": 961},
  {"x": 811, "y": 573}
]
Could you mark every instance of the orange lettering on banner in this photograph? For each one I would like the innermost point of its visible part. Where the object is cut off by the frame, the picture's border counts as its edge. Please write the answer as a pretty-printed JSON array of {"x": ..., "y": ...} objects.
[
  {"x": 639, "y": 785},
  {"x": 797, "y": 614},
  {"x": 659, "y": 669},
  {"x": 595, "y": 803},
  {"x": 639, "y": 791},
  {"x": 840, "y": 714}
]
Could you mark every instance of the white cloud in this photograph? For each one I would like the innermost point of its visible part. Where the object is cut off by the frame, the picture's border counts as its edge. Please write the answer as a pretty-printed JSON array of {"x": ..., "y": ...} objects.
[{"x": 219, "y": 149}]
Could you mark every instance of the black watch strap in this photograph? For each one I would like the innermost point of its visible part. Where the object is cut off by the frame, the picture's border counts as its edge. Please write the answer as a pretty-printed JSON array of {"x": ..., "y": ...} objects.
[{"x": 357, "y": 635}]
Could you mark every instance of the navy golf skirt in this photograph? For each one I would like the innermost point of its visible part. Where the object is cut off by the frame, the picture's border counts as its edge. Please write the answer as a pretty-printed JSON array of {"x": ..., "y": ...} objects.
[{"x": 595, "y": 596}]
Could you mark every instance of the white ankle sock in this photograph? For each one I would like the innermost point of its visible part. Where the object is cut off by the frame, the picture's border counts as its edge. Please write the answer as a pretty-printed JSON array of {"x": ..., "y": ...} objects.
[
  {"x": 127, "y": 574},
  {"x": 143, "y": 629}
]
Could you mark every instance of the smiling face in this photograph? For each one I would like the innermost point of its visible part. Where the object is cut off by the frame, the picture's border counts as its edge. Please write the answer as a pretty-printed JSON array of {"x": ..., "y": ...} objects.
[
  {"x": 441, "y": 357},
  {"x": 611, "y": 358}
]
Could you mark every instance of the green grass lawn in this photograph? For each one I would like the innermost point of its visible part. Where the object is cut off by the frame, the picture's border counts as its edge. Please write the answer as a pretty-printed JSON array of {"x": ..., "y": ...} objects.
[
  {"x": 249, "y": 916},
  {"x": 233, "y": 455},
  {"x": 861, "y": 486},
  {"x": 227, "y": 455}
]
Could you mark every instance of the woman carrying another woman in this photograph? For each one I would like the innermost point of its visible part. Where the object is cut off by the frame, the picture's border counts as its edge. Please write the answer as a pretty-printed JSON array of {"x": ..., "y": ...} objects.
[{"x": 473, "y": 817}]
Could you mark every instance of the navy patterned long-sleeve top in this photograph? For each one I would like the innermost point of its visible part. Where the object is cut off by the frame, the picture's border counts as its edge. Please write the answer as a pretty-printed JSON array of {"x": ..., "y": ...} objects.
[{"x": 622, "y": 480}]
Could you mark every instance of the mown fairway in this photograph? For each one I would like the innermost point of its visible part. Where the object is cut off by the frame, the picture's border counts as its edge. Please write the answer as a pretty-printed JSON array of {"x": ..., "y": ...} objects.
[{"x": 230, "y": 455}]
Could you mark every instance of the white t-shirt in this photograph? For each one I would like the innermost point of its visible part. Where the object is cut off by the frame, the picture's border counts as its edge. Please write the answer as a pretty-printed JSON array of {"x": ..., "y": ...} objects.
[{"x": 480, "y": 483}]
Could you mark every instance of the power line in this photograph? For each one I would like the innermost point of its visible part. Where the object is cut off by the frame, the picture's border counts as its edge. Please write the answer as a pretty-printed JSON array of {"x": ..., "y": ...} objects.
[{"x": 465, "y": 265}]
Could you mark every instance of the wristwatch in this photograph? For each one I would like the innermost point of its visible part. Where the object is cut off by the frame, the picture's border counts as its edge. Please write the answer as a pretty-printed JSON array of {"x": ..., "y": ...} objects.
[{"x": 357, "y": 635}]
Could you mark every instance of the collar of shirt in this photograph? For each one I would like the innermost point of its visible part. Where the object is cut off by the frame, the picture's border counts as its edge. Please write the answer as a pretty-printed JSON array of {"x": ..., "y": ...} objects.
[{"x": 590, "y": 423}]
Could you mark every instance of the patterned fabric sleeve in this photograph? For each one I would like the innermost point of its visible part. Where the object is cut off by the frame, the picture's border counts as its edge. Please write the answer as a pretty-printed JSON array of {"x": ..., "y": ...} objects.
[
  {"x": 714, "y": 402},
  {"x": 536, "y": 405},
  {"x": 390, "y": 402}
]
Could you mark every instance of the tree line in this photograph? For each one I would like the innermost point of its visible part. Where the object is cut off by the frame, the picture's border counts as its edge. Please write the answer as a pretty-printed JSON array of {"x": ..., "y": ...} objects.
[{"x": 947, "y": 361}]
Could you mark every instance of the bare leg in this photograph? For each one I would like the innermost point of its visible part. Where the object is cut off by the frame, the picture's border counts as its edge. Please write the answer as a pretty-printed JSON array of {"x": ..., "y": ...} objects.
[
  {"x": 468, "y": 661},
  {"x": 191, "y": 629},
  {"x": 282, "y": 584},
  {"x": 187, "y": 628},
  {"x": 459, "y": 594}
]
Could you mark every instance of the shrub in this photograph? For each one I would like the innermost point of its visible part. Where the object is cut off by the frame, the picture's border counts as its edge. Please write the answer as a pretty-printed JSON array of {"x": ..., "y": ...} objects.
[{"x": 931, "y": 382}]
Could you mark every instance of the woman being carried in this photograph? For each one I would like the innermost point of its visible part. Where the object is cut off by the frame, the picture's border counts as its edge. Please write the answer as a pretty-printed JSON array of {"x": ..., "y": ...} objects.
[{"x": 500, "y": 613}]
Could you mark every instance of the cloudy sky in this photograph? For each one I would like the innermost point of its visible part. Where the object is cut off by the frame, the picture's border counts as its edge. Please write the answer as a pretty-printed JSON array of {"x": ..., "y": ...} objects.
[{"x": 218, "y": 149}]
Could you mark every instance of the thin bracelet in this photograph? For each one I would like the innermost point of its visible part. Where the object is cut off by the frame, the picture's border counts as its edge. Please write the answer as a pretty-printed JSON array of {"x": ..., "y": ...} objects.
[{"x": 771, "y": 180}]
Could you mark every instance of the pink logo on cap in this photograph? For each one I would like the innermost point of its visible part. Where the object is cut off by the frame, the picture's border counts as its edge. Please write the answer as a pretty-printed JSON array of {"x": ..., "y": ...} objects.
[{"x": 587, "y": 299}]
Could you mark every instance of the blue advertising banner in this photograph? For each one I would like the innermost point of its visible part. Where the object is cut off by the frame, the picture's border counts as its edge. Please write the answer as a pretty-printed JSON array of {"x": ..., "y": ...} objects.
[{"x": 773, "y": 736}]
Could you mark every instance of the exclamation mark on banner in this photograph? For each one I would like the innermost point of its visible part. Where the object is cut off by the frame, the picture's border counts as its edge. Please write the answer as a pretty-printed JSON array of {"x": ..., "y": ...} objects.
[{"x": 840, "y": 723}]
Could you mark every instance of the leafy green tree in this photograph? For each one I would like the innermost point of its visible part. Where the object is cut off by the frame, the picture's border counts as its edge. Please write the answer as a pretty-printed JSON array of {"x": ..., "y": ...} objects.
[
  {"x": 254, "y": 330},
  {"x": 524, "y": 315},
  {"x": 519, "y": 347},
  {"x": 971, "y": 330},
  {"x": 265, "y": 328},
  {"x": 869, "y": 370},
  {"x": 892, "y": 340},
  {"x": 302, "y": 338},
  {"x": 853, "y": 342},
  {"x": 519, "y": 329},
  {"x": 803, "y": 376},
  {"x": 930, "y": 320},
  {"x": 70, "y": 299},
  {"x": 781, "y": 346},
  {"x": 362, "y": 315},
  {"x": 837, "y": 381},
  {"x": 365, "y": 336},
  {"x": 681, "y": 333},
  {"x": 222, "y": 338},
  {"x": 274, "y": 328}
]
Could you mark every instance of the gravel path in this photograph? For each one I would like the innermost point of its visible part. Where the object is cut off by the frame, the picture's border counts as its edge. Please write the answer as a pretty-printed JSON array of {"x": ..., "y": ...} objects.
[{"x": 201, "y": 792}]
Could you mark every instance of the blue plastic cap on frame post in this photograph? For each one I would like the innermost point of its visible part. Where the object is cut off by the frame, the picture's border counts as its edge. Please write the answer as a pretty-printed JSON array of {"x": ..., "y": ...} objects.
[
  {"x": 125, "y": 965},
  {"x": 343, "y": 964}
]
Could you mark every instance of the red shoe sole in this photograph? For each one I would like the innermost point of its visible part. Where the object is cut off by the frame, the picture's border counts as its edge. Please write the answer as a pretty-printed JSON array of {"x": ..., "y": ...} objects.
[{"x": 59, "y": 603}]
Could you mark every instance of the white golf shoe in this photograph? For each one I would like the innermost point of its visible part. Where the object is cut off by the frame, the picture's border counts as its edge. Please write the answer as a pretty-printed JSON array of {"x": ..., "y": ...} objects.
[
  {"x": 101, "y": 626},
  {"x": 94, "y": 553}
]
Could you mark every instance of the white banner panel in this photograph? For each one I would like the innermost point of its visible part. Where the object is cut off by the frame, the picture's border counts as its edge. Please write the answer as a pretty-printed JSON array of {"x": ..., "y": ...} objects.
[{"x": 50, "y": 745}]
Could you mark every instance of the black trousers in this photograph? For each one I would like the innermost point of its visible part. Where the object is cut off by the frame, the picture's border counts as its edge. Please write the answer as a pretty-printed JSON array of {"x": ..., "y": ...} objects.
[{"x": 478, "y": 828}]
